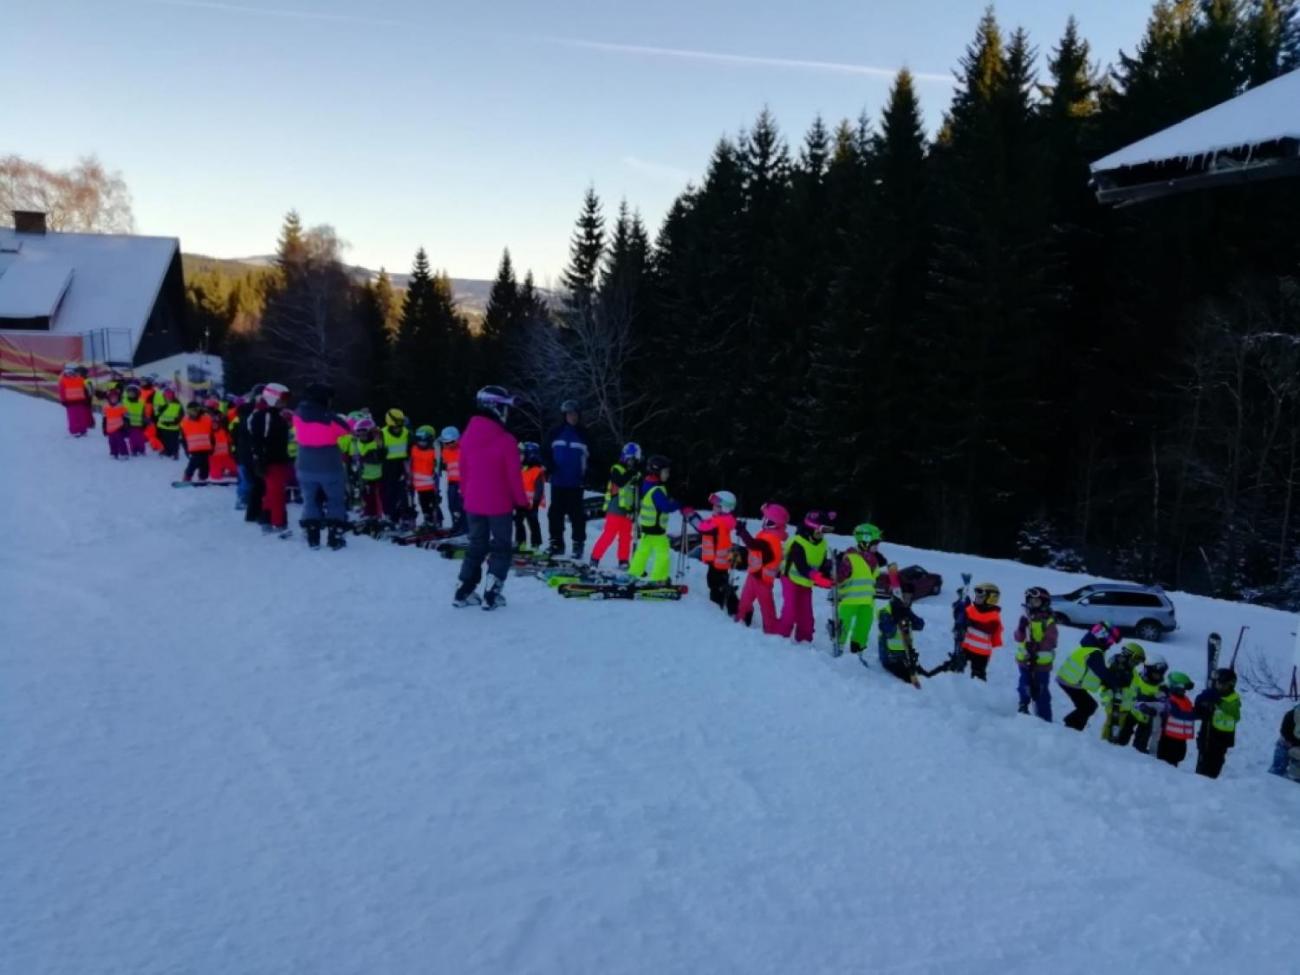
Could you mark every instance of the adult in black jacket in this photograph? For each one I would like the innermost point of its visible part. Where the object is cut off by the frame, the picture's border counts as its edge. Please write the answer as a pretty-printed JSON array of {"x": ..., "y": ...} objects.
[
  {"x": 1288, "y": 738},
  {"x": 268, "y": 429}
]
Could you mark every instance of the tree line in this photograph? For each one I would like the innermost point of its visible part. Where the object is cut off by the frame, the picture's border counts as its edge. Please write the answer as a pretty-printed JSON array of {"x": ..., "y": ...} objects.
[{"x": 949, "y": 336}]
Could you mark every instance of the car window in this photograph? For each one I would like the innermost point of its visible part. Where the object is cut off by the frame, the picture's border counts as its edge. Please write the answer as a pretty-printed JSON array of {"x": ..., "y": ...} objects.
[
  {"x": 1103, "y": 598},
  {"x": 1074, "y": 596},
  {"x": 1143, "y": 599}
]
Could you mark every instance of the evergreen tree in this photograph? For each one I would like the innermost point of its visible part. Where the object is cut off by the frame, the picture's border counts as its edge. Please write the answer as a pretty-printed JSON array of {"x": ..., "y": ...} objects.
[
  {"x": 425, "y": 383},
  {"x": 389, "y": 307},
  {"x": 586, "y": 248}
]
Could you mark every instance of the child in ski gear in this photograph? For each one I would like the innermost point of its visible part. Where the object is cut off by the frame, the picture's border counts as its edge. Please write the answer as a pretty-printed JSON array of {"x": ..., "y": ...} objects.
[
  {"x": 75, "y": 397},
  {"x": 450, "y": 461},
  {"x": 1036, "y": 637},
  {"x": 135, "y": 420},
  {"x": 396, "y": 480},
  {"x": 221, "y": 465},
  {"x": 370, "y": 458},
  {"x": 715, "y": 549},
  {"x": 763, "y": 566},
  {"x": 494, "y": 487},
  {"x": 897, "y": 624},
  {"x": 320, "y": 466},
  {"x": 534, "y": 475},
  {"x": 114, "y": 426},
  {"x": 1145, "y": 688},
  {"x": 806, "y": 565},
  {"x": 656, "y": 505},
  {"x": 167, "y": 422},
  {"x": 1218, "y": 708},
  {"x": 981, "y": 620},
  {"x": 196, "y": 433},
  {"x": 855, "y": 580},
  {"x": 424, "y": 476},
  {"x": 1179, "y": 719},
  {"x": 269, "y": 431},
  {"x": 1085, "y": 672},
  {"x": 567, "y": 450},
  {"x": 620, "y": 505},
  {"x": 1288, "y": 742}
]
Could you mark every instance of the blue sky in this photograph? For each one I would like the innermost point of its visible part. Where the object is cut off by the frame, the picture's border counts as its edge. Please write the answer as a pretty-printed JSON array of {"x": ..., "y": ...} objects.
[{"x": 462, "y": 127}]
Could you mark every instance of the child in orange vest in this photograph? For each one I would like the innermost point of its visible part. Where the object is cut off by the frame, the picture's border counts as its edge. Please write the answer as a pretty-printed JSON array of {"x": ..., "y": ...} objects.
[
  {"x": 450, "y": 463},
  {"x": 981, "y": 626},
  {"x": 424, "y": 476},
  {"x": 715, "y": 549},
  {"x": 196, "y": 436},
  {"x": 114, "y": 426},
  {"x": 765, "y": 551},
  {"x": 74, "y": 394},
  {"x": 535, "y": 488},
  {"x": 1178, "y": 719},
  {"x": 221, "y": 465}
]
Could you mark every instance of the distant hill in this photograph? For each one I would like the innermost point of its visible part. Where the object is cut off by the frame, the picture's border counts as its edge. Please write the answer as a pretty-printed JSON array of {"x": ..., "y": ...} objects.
[{"x": 471, "y": 294}]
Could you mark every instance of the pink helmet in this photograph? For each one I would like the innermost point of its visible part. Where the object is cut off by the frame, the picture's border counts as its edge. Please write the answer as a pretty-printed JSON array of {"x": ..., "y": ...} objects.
[
  {"x": 775, "y": 515},
  {"x": 819, "y": 521}
]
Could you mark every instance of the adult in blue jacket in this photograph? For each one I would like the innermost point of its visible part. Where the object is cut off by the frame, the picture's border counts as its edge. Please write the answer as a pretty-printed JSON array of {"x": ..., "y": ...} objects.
[{"x": 566, "y": 467}]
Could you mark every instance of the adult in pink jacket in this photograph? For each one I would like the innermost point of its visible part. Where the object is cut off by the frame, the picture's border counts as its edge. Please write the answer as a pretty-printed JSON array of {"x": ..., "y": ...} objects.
[{"x": 492, "y": 487}]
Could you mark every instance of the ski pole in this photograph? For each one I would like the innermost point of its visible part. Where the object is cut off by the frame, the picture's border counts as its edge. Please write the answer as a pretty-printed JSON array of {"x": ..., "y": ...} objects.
[{"x": 1240, "y": 633}]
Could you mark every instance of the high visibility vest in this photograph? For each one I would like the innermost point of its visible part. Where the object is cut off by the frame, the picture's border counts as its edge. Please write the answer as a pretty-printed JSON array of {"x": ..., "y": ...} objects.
[
  {"x": 198, "y": 434},
  {"x": 1227, "y": 713},
  {"x": 859, "y": 589},
  {"x": 895, "y": 643},
  {"x": 1180, "y": 723},
  {"x": 424, "y": 467},
  {"x": 1075, "y": 672},
  {"x": 291, "y": 443},
  {"x": 1043, "y": 658},
  {"x": 220, "y": 440},
  {"x": 652, "y": 520},
  {"x": 72, "y": 389},
  {"x": 134, "y": 412},
  {"x": 766, "y": 570},
  {"x": 114, "y": 417},
  {"x": 715, "y": 548},
  {"x": 620, "y": 500},
  {"x": 147, "y": 398},
  {"x": 814, "y": 554},
  {"x": 976, "y": 639},
  {"x": 372, "y": 465},
  {"x": 531, "y": 476},
  {"x": 451, "y": 462},
  {"x": 345, "y": 444},
  {"x": 1139, "y": 692},
  {"x": 169, "y": 418},
  {"x": 397, "y": 445}
]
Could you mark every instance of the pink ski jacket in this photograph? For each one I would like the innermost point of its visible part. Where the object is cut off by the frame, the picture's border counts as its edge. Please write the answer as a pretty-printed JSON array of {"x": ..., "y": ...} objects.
[{"x": 491, "y": 480}]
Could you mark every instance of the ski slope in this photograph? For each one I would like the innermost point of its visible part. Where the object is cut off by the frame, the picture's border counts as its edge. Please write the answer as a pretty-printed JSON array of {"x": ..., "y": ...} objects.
[{"x": 224, "y": 753}]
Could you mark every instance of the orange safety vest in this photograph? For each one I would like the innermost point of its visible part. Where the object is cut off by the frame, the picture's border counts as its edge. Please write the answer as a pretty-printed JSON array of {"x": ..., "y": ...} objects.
[
  {"x": 198, "y": 434},
  {"x": 766, "y": 570},
  {"x": 424, "y": 476},
  {"x": 982, "y": 639},
  {"x": 451, "y": 463},
  {"x": 114, "y": 417},
  {"x": 147, "y": 395},
  {"x": 531, "y": 477},
  {"x": 1180, "y": 723},
  {"x": 72, "y": 389},
  {"x": 715, "y": 548},
  {"x": 220, "y": 440}
]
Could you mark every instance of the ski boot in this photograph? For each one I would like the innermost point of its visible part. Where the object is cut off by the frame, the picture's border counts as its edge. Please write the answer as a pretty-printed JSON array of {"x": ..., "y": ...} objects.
[
  {"x": 466, "y": 596},
  {"x": 492, "y": 598},
  {"x": 336, "y": 540},
  {"x": 623, "y": 565},
  {"x": 267, "y": 528},
  {"x": 577, "y": 551},
  {"x": 1022, "y": 709},
  {"x": 312, "y": 528}
]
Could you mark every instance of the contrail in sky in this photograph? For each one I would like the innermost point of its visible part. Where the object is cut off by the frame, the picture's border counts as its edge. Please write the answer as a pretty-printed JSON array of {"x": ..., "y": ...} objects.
[{"x": 237, "y": 8}]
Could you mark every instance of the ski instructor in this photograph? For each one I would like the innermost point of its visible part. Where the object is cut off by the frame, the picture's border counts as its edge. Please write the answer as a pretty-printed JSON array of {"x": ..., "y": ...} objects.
[
  {"x": 492, "y": 486},
  {"x": 566, "y": 448}
]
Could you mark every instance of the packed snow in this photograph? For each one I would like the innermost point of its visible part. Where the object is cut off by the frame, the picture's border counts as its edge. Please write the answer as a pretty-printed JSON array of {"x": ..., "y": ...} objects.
[{"x": 227, "y": 753}]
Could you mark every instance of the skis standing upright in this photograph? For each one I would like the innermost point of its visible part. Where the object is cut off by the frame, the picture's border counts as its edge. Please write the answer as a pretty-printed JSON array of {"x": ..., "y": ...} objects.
[
  {"x": 1212, "y": 647},
  {"x": 833, "y": 625}
]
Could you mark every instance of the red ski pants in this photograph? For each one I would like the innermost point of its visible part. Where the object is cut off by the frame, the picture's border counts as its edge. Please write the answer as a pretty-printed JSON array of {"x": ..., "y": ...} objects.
[
  {"x": 616, "y": 527},
  {"x": 757, "y": 591},
  {"x": 277, "y": 480}
]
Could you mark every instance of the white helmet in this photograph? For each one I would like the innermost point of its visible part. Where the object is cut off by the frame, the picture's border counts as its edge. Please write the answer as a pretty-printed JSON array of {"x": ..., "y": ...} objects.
[
  {"x": 272, "y": 393},
  {"x": 449, "y": 435},
  {"x": 723, "y": 499}
]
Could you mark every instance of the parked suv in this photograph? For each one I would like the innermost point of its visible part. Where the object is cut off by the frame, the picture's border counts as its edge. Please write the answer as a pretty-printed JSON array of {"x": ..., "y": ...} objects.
[{"x": 1144, "y": 611}]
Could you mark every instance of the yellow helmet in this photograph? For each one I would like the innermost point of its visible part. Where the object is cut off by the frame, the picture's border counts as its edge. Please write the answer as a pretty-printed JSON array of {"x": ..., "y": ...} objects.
[
  {"x": 394, "y": 417},
  {"x": 987, "y": 593}
]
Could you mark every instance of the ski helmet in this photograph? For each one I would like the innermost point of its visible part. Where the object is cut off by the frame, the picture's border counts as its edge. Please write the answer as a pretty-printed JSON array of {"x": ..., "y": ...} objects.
[
  {"x": 1179, "y": 681},
  {"x": 132, "y": 388},
  {"x": 819, "y": 521},
  {"x": 1036, "y": 597},
  {"x": 723, "y": 499},
  {"x": 394, "y": 417},
  {"x": 449, "y": 435},
  {"x": 1155, "y": 669},
  {"x": 212, "y": 403},
  {"x": 495, "y": 400},
  {"x": 569, "y": 406},
  {"x": 1134, "y": 653},
  {"x": 631, "y": 452},
  {"x": 531, "y": 451},
  {"x": 987, "y": 593},
  {"x": 424, "y": 435},
  {"x": 1224, "y": 678},
  {"x": 775, "y": 515},
  {"x": 867, "y": 534},
  {"x": 272, "y": 393},
  {"x": 193, "y": 406},
  {"x": 658, "y": 464},
  {"x": 69, "y": 368},
  {"x": 1103, "y": 634},
  {"x": 365, "y": 425}
]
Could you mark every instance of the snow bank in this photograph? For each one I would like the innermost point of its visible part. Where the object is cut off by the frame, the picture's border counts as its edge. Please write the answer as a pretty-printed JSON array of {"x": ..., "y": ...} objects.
[{"x": 225, "y": 753}]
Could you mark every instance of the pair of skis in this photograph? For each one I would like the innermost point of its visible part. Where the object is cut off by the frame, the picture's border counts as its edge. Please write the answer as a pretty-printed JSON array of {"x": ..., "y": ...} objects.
[
  {"x": 644, "y": 591},
  {"x": 218, "y": 482}
]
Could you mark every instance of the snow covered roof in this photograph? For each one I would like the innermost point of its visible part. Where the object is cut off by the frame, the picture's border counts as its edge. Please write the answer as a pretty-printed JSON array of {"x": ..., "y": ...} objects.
[
  {"x": 1253, "y": 136},
  {"x": 83, "y": 282}
]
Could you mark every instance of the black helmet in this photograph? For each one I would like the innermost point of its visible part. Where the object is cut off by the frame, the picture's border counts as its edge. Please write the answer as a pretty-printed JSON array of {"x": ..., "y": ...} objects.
[
  {"x": 1036, "y": 597},
  {"x": 657, "y": 464},
  {"x": 319, "y": 393},
  {"x": 1224, "y": 677},
  {"x": 569, "y": 406}
]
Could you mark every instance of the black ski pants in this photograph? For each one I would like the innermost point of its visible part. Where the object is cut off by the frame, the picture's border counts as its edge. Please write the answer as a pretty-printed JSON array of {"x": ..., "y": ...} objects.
[
  {"x": 489, "y": 537},
  {"x": 171, "y": 441},
  {"x": 1211, "y": 752},
  {"x": 979, "y": 665},
  {"x": 1171, "y": 750},
  {"x": 198, "y": 465},
  {"x": 430, "y": 507},
  {"x": 721, "y": 591},
  {"x": 566, "y": 502},
  {"x": 528, "y": 519},
  {"x": 1084, "y": 707}
]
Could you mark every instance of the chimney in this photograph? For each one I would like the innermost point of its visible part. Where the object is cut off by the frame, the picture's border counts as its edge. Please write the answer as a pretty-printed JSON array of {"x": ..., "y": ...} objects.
[{"x": 29, "y": 222}]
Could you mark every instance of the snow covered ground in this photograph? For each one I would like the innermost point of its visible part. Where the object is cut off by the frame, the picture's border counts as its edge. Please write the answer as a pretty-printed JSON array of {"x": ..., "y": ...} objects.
[{"x": 224, "y": 753}]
